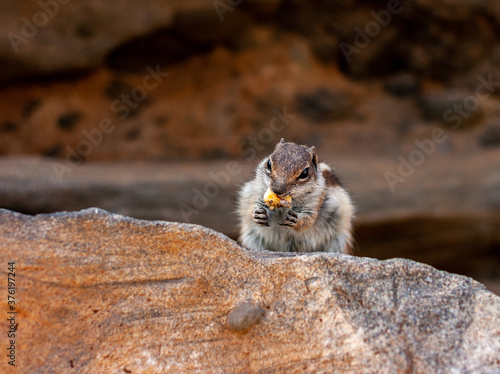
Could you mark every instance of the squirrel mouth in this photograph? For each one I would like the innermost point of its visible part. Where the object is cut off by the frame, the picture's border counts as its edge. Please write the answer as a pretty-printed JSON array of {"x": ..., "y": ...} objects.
[{"x": 274, "y": 201}]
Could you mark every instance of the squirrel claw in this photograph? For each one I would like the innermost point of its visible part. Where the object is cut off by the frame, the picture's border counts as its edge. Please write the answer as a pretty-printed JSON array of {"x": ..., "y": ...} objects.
[
  {"x": 260, "y": 217},
  {"x": 290, "y": 219}
]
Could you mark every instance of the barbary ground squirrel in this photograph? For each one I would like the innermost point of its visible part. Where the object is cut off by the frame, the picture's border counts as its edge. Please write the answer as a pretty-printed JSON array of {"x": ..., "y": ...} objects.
[{"x": 295, "y": 204}]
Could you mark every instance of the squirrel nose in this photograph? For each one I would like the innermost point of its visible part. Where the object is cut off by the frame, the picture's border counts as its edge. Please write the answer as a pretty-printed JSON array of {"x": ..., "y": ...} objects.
[{"x": 279, "y": 189}]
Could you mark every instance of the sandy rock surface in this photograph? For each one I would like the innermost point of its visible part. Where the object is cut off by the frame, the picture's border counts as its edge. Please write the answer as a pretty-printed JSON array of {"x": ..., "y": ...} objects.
[{"x": 99, "y": 292}]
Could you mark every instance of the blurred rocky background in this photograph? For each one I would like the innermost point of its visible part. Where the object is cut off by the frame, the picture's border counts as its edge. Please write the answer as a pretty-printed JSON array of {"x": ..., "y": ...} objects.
[{"x": 161, "y": 109}]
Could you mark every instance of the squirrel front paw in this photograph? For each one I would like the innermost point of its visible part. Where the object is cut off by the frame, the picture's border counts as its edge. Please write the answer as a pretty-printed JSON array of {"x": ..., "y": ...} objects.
[
  {"x": 260, "y": 217},
  {"x": 290, "y": 219}
]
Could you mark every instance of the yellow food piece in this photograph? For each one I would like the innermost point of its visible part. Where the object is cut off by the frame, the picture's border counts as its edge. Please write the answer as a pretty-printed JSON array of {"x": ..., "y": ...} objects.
[
  {"x": 274, "y": 201},
  {"x": 271, "y": 199}
]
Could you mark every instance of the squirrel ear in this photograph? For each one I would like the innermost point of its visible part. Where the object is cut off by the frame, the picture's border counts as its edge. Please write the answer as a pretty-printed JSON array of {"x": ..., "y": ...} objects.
[
  {"x": 314, "y": 156},
  {"x": 282, "y": 141}
]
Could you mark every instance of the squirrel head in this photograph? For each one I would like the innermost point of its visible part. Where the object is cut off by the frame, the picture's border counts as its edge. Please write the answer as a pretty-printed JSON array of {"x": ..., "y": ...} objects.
[{"x": 291, "y": 168}]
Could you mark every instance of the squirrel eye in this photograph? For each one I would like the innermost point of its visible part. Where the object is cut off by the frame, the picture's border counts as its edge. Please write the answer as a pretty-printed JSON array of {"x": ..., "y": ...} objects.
[
  {"x": 304, "y": 174},
  {"x": 269, "y": 165}
]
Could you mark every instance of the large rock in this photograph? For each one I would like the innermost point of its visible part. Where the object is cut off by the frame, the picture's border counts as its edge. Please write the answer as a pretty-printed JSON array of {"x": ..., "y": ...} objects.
[{"x": 97, "y": 292}]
